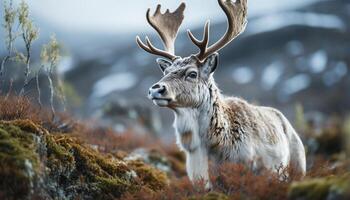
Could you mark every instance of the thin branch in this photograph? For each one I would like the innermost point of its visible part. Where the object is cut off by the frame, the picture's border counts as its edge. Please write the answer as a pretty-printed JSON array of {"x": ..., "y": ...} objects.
[
  {"x": 38, "y": 86},
  {"x": 52, "y": 93},
  {"x": 9, "y": 15}
]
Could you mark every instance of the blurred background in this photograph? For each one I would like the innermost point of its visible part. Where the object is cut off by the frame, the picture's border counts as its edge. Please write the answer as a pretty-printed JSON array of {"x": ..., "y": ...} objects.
[{"x": 293, "y": 55}]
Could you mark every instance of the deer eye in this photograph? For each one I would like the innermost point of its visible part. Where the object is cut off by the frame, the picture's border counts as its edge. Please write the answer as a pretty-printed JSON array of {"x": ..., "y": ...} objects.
[{"x": 192, "y": 75}]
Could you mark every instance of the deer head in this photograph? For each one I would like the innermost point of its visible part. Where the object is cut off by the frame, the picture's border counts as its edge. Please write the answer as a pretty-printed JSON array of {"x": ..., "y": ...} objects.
[{"x": 186, "y": 80}]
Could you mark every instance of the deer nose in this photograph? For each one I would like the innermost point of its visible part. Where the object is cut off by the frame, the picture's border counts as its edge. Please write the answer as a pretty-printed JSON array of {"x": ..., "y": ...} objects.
[{"x": 157, "y": 90}]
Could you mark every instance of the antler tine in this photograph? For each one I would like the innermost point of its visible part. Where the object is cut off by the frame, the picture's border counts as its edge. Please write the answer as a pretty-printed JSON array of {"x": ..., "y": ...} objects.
[
  {"x": 153, "y": 50},
  {"x": 236, "y": 14},
  {"x": 167, "y": 26},
  {"x": 236, "y": 19},
  {"x": 202, "y": 45}
]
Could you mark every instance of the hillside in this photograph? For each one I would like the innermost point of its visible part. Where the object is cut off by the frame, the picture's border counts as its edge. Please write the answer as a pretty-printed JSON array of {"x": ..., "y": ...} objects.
[
  {"x": 66, "y": 159},
  {"x": 283, "y": 58}
]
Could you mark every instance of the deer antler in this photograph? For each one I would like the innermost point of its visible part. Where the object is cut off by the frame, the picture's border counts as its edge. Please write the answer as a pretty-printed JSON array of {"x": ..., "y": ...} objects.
[
  {"x": 236, "y": 14},
  {"x": 167, "y": 25}
]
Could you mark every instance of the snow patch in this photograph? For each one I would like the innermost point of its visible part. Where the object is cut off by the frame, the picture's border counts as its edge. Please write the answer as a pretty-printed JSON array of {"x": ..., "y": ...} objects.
[
  {"x": 318, "y": 61},
  {"x": 243, "y": 75},
  {"x": 65, "y": 65},
  {"x": 279, "y": 20},
  {"x": 114, "y": 82},
  {"x": 295, "y": 84},
  {"x": 271, "y": 74}
]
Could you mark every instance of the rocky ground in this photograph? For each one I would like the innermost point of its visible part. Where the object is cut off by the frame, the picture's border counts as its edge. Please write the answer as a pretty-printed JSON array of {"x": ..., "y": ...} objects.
[
  {"x": 37, "y": 163},
  {"x": 66, "y": 159}
]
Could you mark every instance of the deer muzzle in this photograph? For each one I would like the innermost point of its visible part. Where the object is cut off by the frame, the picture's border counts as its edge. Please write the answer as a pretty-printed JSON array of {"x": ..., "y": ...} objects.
[{"x": 157, "y": 93}]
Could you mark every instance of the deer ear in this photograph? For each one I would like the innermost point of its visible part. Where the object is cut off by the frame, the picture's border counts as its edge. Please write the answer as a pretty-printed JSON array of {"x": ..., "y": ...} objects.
[
  {"x": 163, "y": 63},
  {"x": 210, "y": 64}
]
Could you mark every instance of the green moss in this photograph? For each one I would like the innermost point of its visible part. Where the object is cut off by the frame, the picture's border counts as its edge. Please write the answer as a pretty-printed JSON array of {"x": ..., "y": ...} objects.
[
  {"x": 66, "y": 168},
  {"x": 346, "y": 130},
  {"x": 215, "y": 196},
  {"x": 211, "y": 196},
  {"x": 321, "y": 188},
  {"x": 19, "y": 161},
  {"x": 73, "y": 164},
  {"x": 154, "y": 179},
  {"x": 111, "y": 187}
]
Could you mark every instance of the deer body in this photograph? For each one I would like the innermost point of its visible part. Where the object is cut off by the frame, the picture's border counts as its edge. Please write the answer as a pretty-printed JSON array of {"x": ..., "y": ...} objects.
[
  {"x": 207, "y": 123},
  {"x": 230, "y": 129}
]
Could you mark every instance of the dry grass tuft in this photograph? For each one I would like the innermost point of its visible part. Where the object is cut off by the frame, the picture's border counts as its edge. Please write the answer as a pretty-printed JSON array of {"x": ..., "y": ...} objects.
[
  {"x": 230, "y": 181},
  {"x": 22, "y": 108}
]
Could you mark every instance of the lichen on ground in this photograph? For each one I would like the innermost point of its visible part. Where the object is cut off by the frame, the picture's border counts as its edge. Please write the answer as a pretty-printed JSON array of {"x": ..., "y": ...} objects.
[{"x": 36, "y": 163}]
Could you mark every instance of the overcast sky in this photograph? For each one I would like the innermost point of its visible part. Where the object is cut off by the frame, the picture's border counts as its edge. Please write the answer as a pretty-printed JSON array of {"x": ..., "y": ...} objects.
[{"x": 128, "y": 16}]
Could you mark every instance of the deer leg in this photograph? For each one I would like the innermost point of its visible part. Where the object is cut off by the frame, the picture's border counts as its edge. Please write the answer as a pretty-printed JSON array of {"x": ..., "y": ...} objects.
[{"x": 197, "y": 166}]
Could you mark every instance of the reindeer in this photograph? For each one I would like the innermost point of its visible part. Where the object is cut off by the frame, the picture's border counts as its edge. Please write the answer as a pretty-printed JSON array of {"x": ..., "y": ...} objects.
[{"x": 207, "y": 123}]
